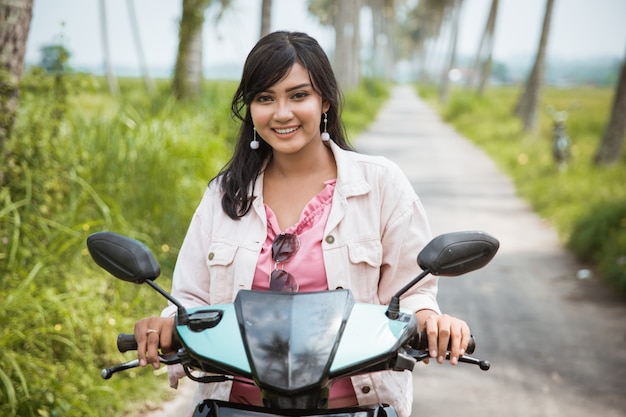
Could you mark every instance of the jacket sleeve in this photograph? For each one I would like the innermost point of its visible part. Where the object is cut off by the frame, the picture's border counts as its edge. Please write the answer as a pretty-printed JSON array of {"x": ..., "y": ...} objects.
[
  {"x": 191, "y": 279},
  {"x": 405, "y": 233}
]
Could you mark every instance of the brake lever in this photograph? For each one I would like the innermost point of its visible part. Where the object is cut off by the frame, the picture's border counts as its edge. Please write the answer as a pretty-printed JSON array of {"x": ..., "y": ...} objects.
[
  {"x": 483, "y": 365},
  {"x": 107, "y": 373},
  {"x": 422, "y": 354}
]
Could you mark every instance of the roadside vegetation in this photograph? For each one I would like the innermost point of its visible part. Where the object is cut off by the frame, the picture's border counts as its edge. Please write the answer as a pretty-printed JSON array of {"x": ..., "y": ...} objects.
[
  {"x": 83, "y": 161},
  {"x": 586, "y": 203}
]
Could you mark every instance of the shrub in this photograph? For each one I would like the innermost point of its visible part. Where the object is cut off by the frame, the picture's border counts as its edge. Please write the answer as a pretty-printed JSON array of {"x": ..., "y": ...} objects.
[
  {"x": 362, "y": 104},
  {"x": 82, "y": 162},
  {"x": 600, "y": 237}
]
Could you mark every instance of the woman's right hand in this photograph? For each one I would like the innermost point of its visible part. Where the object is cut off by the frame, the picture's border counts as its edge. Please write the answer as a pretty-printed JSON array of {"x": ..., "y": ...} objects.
[{"x": 151, "y": 334}]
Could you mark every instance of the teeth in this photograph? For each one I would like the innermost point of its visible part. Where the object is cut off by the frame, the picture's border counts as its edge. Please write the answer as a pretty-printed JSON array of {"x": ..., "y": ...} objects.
[{"x": 285, "y": 131}]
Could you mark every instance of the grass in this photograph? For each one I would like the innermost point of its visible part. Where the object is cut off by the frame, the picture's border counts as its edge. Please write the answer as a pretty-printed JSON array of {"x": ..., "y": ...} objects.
[
  {"x": 585, "y": 203},
  {"x": 82, "y": 161}
]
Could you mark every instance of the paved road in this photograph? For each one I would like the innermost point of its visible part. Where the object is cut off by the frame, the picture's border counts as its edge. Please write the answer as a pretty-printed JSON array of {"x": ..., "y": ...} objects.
[{"x": 556, "y": 343}]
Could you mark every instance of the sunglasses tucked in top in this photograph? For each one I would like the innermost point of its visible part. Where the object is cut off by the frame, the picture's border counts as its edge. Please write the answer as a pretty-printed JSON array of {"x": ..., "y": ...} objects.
[{"x": 284, "y": 246}]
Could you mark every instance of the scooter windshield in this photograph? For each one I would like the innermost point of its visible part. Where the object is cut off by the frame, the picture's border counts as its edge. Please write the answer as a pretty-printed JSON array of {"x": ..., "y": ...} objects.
[{"x": 291, "y": 338}]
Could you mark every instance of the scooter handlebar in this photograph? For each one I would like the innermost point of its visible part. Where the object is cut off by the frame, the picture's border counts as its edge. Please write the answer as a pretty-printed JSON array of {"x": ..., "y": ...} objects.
[{"x": 126, "y": 342}]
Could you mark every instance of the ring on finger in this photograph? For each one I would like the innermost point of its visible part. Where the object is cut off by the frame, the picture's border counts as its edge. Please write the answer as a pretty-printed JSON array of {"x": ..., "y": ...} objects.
[{"x": 152, "y": 331}]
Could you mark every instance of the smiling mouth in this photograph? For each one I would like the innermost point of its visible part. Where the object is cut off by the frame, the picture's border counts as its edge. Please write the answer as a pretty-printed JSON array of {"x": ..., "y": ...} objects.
[{"x": 286, "y": 131}]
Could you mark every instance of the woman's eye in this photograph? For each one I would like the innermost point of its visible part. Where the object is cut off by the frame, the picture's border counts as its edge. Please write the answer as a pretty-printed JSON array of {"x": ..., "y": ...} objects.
[
  {"x": 262, "y": 98},
  {"x": 300, "y": 95}
]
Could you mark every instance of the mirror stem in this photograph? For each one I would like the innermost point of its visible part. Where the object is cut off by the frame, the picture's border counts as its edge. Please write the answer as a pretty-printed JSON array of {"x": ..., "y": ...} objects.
[
  {"x": 182, "y": 317},
  {"x": 393, "y": 311}
]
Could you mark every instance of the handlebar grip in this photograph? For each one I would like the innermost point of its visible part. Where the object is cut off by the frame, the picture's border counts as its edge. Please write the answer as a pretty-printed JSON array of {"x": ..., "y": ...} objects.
[
  {"x": 126, "y": 342},
  {"x": 420, "y": 342},
  {"x": 471, "y": 346}
]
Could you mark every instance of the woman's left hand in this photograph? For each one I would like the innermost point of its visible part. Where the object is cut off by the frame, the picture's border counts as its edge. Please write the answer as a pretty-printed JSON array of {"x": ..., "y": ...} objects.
[{"x": 442, "y": 330}]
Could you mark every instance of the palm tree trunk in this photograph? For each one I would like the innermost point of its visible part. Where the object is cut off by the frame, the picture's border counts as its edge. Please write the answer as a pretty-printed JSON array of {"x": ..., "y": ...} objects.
[
  {"x": 139, "y": 47},
  {"x": 482, "y": 65},
  {"x": 376, "y": 57},
  {"x": 188, "y": 69},
  {"x": 13, "y": 37},
  {"x": 355, "y": 56},
  {"x": 347, "y": 43},
  {"x": 266, "y": 17},
  {"x": 612, "y": 144},
  {"x": 528, "y": 104},
  {"x": 444, "y": 86},
  {"x": 108, "y": 71}
]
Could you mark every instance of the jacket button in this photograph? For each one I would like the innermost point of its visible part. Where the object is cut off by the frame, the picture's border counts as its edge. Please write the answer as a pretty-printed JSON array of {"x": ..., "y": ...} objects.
[
  {"x": 330, "y": 239},
  {"x": 211, "y": 256},
  {"x": 365, "y": 389}
]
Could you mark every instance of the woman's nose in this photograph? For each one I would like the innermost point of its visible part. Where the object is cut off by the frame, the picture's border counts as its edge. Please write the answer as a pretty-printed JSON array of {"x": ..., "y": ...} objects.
[{"x": 283, "y": 111}]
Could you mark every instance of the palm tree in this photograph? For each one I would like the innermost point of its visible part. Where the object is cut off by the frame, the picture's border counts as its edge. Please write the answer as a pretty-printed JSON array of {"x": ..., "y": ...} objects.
[
  {"x": 423, "y": 26},
  {"x": 188, "y": 70},
  {"x": 454, "y": 11},
  {"x": 528, "y": 104},
  {"x": 383, "y": 45},
  {"x": 344, "y": 17},
  {"x": 108, "y": 71},
  {"x": 266, "y": 17},
  {"x": 485, "y": 51},
  {"x": 13, "y": 37},
  {"x": 138, "y": 46},
  {"x": 612, "y": 145}
]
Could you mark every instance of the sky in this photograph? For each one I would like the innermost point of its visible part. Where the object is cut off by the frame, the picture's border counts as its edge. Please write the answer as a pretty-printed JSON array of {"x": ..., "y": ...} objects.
[{"x": 581, "y": 29}]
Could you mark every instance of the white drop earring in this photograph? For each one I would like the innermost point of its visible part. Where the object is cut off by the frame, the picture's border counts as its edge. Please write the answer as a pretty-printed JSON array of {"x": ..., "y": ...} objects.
[
  {"x": 255, "y": 143},
  {"x": 325, "y": 134}
]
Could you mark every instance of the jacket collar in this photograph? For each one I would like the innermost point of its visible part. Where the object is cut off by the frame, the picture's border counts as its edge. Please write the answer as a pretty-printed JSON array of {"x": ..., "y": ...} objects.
[
  {"x": 350, "y": 183},
  {"x": 350, "y": 179}
]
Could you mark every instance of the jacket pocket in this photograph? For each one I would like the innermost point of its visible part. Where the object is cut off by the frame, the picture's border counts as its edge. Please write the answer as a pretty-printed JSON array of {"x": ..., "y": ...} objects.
[
  {"x": 220, "y": 263},
  {"x": 221, "y": 254},
  {"x": 364, "y": 266},
  {"x": 369, "y": 252}
]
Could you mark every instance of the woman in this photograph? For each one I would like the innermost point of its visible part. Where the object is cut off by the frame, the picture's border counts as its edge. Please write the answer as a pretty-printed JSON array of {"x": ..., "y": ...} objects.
[{"x": 335, "y": 219}]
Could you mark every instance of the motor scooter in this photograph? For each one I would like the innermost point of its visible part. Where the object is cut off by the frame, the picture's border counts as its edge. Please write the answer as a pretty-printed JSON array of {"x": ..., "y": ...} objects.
[
  {"x": 293, "y": 346},
  {"x": 561, "y": 143}
]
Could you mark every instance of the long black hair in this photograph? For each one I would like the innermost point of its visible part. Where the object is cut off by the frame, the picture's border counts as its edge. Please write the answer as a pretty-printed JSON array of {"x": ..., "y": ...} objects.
[{"x": 269, "y": 61}]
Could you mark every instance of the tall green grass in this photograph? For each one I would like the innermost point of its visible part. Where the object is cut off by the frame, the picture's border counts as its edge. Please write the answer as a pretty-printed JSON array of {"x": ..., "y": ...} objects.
[
  {"x": 82, "y": 161},
  {"x": 585, "y": 203}
]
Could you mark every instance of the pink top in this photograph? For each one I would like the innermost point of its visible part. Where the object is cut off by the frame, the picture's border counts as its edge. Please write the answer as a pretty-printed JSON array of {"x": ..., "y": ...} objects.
[{"x": 307, "y": 266}]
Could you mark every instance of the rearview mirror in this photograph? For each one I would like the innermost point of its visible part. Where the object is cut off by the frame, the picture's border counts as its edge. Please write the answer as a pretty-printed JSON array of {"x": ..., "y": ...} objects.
[
  {"x": 457, "y": 253},
  {"x": 123, "y": 257}
]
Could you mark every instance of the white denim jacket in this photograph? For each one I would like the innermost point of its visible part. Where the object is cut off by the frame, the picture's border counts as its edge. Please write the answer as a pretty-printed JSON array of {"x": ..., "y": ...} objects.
[{"x": 375, "y": 230}]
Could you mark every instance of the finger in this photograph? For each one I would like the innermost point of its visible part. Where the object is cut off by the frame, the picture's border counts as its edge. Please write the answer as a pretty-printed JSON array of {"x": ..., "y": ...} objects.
[
  {"x": 167, "y": 335},
  {"x": 465, "y": 339},
  {"x": 140, "y": 336},
  {"x": 444, "y": 337},
  {"x": 456, "y": 336},
  {"x": 153, "y": 348},
  {"x": 432, "y": 335}
]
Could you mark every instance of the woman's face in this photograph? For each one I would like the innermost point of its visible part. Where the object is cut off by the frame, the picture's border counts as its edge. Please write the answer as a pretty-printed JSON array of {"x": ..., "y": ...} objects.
[{"x": 288, "y": 114}]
